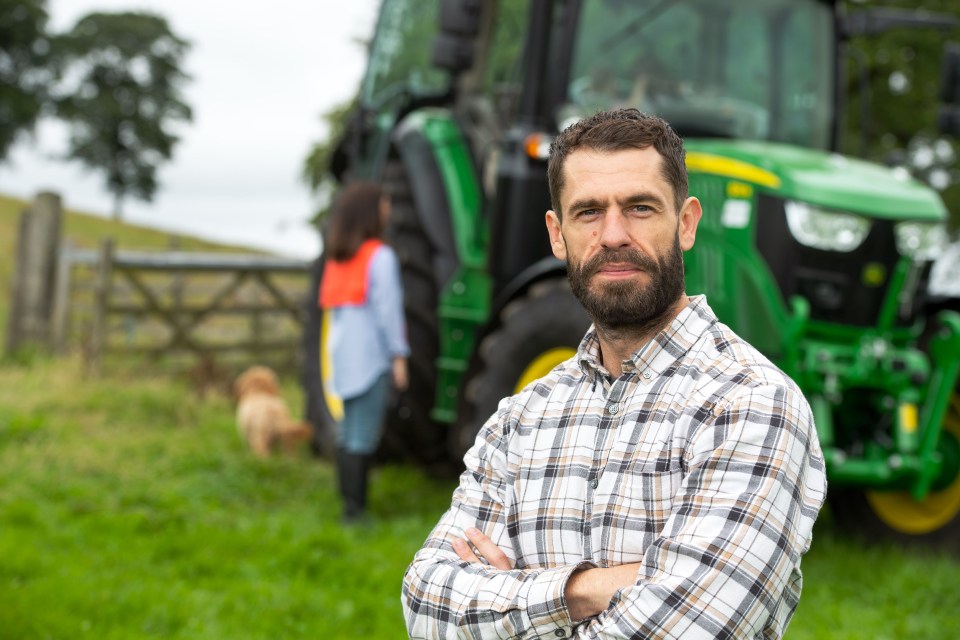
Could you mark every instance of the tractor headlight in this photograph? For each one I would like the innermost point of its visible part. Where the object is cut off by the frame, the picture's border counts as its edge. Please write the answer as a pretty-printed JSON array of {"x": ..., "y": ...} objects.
[
  {"x": 825, "y": 229},
  {"x": 920, "y": 240}
]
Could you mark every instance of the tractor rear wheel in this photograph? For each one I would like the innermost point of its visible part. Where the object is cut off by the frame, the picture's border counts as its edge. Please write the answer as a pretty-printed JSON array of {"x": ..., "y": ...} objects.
[
  {"x": 895, "y": 516},
  {"x": 321, "y": 409},
  {"x": 410, "y": 433},
  {"x": 536, "y": 332}
]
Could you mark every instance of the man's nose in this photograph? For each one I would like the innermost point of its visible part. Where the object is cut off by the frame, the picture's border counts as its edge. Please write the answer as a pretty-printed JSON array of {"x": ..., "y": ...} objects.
[{"x": 614, "y": 233}]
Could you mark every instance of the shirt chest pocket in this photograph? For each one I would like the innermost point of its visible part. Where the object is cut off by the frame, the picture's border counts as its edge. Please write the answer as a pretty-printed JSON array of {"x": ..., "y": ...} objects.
[
  {"x": 643, "y": 501},
  {"x": 651, "y": 487}
]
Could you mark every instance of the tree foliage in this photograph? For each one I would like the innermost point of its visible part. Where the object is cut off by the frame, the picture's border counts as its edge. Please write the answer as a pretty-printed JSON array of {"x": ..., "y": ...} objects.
[
  {"x": 25, "y": 69},
  {"x": 317, "y": 166},
  {"x": 122, "y": 97},
  {"x": 893, "y": 84}
]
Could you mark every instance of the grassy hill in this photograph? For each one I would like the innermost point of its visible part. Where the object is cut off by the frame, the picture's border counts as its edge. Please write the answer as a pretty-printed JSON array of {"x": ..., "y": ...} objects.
[{"x": 87, "y": 231}]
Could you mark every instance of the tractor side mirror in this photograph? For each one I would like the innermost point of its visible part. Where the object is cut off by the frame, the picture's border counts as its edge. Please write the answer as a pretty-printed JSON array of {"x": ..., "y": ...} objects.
[
  {"x": 948, "y": 118},
  {"x": 453, "y": 48},
  {"x": 452, "y": 52},
  {"x": 460, "y": 16}
]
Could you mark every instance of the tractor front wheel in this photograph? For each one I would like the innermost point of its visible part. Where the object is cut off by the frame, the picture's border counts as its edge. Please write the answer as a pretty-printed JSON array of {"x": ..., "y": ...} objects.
[
  {"x": 536, "y": 332},
  {"x": 896, "y": 516}
]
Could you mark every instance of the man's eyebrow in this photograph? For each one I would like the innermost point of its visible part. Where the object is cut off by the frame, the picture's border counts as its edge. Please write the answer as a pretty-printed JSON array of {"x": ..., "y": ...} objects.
[
  {"x": 587, "y": 203},
  {"x": 643, "y": 196},
  {"x": 635, "y": 198}
]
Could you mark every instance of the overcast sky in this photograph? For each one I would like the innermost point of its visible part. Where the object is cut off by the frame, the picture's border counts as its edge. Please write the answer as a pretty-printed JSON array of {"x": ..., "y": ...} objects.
[{"x": 263, "y": 73}]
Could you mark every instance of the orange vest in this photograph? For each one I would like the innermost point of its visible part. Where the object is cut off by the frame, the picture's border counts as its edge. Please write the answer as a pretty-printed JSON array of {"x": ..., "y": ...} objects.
[{"x": 345, "y": 283}]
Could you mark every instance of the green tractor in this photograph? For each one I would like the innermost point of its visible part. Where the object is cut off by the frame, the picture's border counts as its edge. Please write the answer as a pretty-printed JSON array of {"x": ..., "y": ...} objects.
[{"x": 818, "y": 259}]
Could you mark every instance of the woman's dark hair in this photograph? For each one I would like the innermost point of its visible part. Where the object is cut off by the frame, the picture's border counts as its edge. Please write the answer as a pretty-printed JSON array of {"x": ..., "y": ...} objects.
[{"x": 355, "y": 218}]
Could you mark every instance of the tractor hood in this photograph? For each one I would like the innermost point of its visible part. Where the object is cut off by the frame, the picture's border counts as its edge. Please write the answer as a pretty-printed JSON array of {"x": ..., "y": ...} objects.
[{"x": 826, "y": 179}]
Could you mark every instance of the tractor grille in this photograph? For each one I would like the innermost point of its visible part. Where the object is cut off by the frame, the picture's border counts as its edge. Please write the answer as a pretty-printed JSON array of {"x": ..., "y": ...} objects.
[{"x": 841, "y": 287}]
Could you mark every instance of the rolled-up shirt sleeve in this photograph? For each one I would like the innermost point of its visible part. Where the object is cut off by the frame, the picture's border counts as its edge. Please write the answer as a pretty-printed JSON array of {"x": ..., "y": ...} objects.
[
  {"x": 743, "y": 517},
  {"x": 445, "y": 597}
]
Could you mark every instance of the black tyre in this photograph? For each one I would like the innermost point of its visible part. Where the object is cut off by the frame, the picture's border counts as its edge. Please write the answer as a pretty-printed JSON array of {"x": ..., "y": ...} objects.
[
  {"x": 410, "y": 433},
  {"x": 933, "y": 522},
  {"x": 895, "y": 516},
  {"x": 317, "y": 410},
  {"x": 536, "y": 332}
]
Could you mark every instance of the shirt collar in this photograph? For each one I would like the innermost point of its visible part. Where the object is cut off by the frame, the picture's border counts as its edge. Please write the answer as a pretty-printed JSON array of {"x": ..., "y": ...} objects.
[{"x": 671, "y": 343}]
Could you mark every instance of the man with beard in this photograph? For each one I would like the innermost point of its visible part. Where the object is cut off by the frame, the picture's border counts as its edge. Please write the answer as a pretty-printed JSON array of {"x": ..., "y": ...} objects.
[{"x": 662, "y": 483}]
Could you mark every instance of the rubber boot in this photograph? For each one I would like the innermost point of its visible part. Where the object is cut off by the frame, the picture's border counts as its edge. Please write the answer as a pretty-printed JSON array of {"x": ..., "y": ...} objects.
[
  {"x": 345, "y": 484},
  {"x": 353, "y": 486},
  {"x": 363, "y": 480}
]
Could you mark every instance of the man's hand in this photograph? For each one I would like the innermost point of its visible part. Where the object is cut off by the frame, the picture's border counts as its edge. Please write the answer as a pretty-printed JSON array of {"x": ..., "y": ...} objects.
[
  {"x": 484, "y": 546},
  {"x": 589, "y": 591}
]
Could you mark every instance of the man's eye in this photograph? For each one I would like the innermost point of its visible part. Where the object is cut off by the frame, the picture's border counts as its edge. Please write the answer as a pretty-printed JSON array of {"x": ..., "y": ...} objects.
[
  {"x": 640, "y": 208},
  {"x": 587, "y": 213}
]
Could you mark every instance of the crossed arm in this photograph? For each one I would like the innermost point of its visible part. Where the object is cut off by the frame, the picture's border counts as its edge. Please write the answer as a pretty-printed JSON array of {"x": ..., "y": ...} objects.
[{"x": 588, "y": 591}]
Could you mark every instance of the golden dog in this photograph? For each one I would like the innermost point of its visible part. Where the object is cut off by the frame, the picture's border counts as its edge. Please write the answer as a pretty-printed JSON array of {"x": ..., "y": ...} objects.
[{"x": 262, "y": 416}]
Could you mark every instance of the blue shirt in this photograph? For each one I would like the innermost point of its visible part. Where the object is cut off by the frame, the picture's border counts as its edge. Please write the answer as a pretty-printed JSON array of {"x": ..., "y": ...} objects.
[{"x": 365, "y": 338}]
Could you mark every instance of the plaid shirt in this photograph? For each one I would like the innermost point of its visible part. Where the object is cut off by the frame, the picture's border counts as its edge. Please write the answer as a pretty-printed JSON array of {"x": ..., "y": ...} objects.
[{"x": 700, "y": 461}]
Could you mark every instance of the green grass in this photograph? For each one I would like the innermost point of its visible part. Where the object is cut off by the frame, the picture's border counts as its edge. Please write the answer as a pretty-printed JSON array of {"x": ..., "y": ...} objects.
[
  {"x": 853, "y": 592},
  {"x": 129, "y": 509}
]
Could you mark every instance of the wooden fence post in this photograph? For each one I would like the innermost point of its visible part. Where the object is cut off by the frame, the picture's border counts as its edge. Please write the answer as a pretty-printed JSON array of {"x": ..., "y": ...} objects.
[
  {"x": 35, "y": 273},
  {"x": 98, "y": 330},
  {"x": 63, "y": 288}
]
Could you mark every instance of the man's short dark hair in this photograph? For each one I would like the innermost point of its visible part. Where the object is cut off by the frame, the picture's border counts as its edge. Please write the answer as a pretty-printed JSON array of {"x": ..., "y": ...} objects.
[{"x": 616, "y": 130}]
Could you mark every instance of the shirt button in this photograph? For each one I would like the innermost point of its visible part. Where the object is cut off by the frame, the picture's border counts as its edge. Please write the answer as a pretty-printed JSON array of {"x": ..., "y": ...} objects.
[
  {"x": 647, "y": 375},
  {"x": 613, "y": 409},
  {"x": 594, "y": 483},
  {"x": 559, "y": 633}
]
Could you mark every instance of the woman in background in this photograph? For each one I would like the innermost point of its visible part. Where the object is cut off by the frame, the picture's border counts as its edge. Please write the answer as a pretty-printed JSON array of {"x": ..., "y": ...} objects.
[{"x": 367, "y": 341}]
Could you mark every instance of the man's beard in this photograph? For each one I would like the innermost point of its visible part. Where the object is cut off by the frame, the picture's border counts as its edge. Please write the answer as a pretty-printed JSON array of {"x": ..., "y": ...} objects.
[{"x": 630, "y": 305}]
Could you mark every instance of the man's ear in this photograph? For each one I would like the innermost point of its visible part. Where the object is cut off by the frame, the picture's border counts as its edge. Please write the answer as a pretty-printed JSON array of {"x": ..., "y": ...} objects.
[
  {"x": 690, "y": 216},
  {"x": 556, "y": 237}
]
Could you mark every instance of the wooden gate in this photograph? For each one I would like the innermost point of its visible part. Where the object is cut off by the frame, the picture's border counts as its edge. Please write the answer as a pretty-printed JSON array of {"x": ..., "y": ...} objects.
[{"x": 202, "y": 306}]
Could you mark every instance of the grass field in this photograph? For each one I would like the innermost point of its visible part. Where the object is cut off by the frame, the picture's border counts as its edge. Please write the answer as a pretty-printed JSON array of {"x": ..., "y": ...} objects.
[{"x": 129, "y": 509}]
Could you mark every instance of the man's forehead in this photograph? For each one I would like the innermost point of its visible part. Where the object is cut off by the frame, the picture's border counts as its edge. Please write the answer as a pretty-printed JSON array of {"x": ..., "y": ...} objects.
[
  {"x": 590, "y": 155},
  {"x": 584, "y": 164}
]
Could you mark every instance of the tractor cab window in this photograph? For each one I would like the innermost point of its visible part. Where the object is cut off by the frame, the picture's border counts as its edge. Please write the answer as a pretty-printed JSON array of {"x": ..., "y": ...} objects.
[
  {"x": 747, "y": 69},
  {"x": 504, "y": 60},
  {"x": 400, "y": 56}
]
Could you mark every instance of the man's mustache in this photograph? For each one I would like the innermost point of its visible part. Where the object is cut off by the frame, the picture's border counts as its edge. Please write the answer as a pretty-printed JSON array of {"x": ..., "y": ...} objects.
[{"x": 632, "y": 257}]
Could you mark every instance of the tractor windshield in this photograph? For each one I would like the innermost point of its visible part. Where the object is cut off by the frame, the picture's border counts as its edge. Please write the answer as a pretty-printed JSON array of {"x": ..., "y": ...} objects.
[
  {"x": 751, "y": 69},
  {"x": 400, "y": 53}
]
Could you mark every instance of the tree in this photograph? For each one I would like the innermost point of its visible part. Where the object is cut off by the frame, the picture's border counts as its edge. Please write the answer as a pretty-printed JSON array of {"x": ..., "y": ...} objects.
[
  {"x": 24, "y": 67},
  {"x": 893, "y": 87},
  {"x": 120, "y": 96},
  {"x": 318, "y": 163}
]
